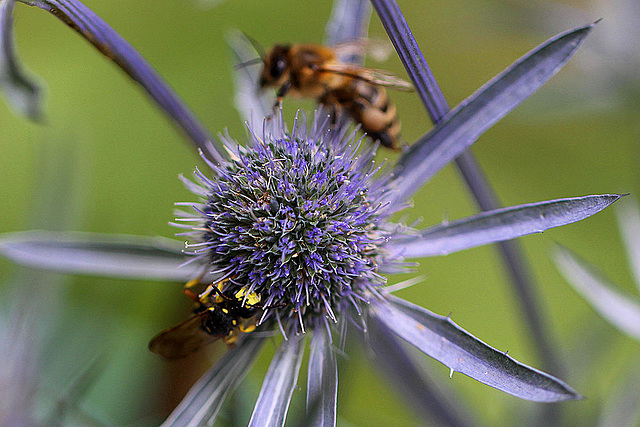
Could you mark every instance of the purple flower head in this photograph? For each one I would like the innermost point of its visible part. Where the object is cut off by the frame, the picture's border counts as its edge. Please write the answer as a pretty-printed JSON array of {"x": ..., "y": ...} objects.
[
  {"x": 332, "y": 248},
  {"x": 301, "y": 219}
]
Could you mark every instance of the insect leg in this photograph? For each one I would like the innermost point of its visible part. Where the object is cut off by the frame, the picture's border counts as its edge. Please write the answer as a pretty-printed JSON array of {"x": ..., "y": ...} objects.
[
  {"x": 218, "y": 291},
  {"x": 284, "y": 89},
  {"x": 188, "y": 291},
  {"x": 248, "y": 326},
  {"x": 231, "y": 339}
]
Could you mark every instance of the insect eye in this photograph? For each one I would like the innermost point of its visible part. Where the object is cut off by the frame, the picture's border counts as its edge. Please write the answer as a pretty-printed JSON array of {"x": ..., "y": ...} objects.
[{"x": 278, "y": 67}]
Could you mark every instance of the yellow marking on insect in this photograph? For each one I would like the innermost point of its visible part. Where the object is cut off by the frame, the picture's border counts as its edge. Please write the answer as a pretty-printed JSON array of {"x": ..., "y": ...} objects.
[
  {"x": 231, "y": 338},
  {"x": 247, "y": 328},
  {"x": 191, "y": 283},
  {"x": 251, "y": 298},
  {"x": 225, "y": 311},
  {"x": 203, "y": 296}
]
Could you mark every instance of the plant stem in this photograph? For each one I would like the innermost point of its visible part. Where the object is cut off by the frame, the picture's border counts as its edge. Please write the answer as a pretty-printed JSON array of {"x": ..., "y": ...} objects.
[{"x": 436, "y": 105}]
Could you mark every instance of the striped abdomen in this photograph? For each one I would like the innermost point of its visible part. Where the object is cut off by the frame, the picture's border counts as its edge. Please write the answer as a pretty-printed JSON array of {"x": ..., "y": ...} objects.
[{"x": 370, "y": 106}]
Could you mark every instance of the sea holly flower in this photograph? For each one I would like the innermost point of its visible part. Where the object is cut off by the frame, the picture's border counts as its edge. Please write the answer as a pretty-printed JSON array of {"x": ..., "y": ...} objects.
[{"x": 299, "y": 219}]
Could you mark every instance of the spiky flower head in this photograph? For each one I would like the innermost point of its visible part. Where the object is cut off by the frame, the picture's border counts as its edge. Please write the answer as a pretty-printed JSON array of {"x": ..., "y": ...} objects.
[
  {"x": 297, "y": 220},
  {"x": 296, "y": 217}
]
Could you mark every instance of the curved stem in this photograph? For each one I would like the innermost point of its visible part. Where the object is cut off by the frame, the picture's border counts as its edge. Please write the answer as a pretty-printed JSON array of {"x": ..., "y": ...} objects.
[{"x": 108, "y": 42}]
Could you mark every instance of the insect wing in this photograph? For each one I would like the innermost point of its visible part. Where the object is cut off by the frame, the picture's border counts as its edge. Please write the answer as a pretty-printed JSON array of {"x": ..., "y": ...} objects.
[
  {"x": 183, "y": 339},
  {"x": 375, "y": 77},
  {"x": 378, "y": 50}
]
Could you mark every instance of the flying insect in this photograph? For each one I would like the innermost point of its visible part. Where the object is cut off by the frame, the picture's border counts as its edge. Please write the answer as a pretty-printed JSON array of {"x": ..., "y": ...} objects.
[{"x": 314, "y": 71}]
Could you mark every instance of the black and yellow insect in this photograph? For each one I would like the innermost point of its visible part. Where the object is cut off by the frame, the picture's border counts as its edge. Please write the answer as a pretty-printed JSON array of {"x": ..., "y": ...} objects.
[{"x": 216, "y": 316}]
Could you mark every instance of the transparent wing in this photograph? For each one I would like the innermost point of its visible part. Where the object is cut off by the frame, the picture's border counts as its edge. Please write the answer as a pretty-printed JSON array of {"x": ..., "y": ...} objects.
[
  {"x": 373, "y": 76},
  {"x": 183, "y": 339},
  {"x": 378, "y": 50}
]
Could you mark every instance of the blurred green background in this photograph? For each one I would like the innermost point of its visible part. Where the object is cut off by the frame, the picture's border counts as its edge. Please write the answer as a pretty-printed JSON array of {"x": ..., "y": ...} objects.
[{"x": 578, "y": 135}]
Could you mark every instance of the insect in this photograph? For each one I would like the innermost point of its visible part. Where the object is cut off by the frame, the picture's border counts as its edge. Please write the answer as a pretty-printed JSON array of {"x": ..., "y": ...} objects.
[
  {"x": 314, "y": 71},
  {"x": 216, "y": 316}
]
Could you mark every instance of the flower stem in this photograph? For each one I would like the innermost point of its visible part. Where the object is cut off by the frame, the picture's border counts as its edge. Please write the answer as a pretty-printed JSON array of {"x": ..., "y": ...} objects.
[
  {"x": 477, "y": 183},
  {"x": 108, "y": 42}
]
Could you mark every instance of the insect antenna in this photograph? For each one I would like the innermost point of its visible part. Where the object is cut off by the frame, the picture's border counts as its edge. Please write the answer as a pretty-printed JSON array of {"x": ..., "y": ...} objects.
[{"x": 219, "y": 292}]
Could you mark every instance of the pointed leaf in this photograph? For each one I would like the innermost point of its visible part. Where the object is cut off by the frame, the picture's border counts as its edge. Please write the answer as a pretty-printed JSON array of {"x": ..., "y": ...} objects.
[
  {"x": 500, "y": 224},
  {"x": 322, "y": 381},
  {"x": 620, "y": 310},
  {"x": 277, "y": 388},
  {"x": 203, "y": 402},
  {"x": 468, "y": 166},
  {"x": 135, "y": 257},
  {"x": 97, "y": 32},
  {"x": 433, "y": 402},
  {"x": 20, "y": 90},
  {"x": 440, "y": 338},
  {"x": 464, "y": 124}
]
